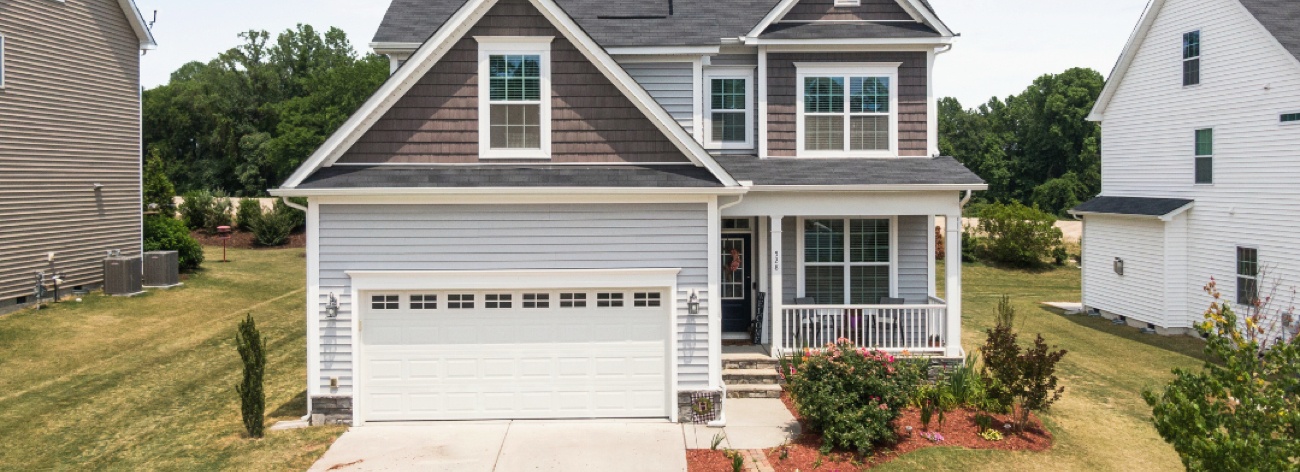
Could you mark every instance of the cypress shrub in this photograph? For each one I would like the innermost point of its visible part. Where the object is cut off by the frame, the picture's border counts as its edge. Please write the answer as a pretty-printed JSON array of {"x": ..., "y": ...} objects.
[
  {"x": 162, "y": 233},
  {"x": 250, "y": 210},
  {"x": 252, "y": 351}
]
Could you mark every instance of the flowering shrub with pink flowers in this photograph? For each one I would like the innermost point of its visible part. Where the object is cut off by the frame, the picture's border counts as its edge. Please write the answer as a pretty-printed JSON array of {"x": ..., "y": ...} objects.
[{"x": 852, "y": 395}]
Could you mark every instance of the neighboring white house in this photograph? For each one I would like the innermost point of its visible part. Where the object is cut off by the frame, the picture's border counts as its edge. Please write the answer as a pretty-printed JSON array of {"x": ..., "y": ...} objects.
[
  {"x": 561, "y": 208},
  {"x": 1200, "y": 164}
]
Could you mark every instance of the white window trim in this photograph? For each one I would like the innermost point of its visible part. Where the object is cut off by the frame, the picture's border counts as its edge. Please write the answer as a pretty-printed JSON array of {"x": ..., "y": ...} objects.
[
  {"x": 3, "y": 70},
  {"x": 1196, "y": 157},
  {"x": 1236, "y": 271},
  {"x": 848, "y": 3},
  {"x": 1182, "y": 43},
  {"x": 893, "y": 254},
  {"x": 847, "y": 69},
  {"x": 498, "y": 45},
  {"x": 723, "y": 72}
]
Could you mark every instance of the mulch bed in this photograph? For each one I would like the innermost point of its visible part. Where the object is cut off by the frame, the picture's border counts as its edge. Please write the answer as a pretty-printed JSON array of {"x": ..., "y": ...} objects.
[
  {"x": 707, "y": 460},
  {"x": 958, "y": 431},
  {"x": 244, "y": 240}
]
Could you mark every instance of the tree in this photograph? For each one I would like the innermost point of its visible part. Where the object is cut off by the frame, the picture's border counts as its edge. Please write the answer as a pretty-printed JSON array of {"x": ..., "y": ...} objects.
[
  {"x": 252, "y": 352},
  {"x": 158, "y": 190},
  {"x": 1034, "y": 148},
  {"x": 1242, "y": 410},
  {"x": 246, "y": 119}
]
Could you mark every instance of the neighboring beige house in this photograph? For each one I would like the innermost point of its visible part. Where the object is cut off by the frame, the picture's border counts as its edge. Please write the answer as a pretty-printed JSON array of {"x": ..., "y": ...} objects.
[{"x": 69, "y": 140}]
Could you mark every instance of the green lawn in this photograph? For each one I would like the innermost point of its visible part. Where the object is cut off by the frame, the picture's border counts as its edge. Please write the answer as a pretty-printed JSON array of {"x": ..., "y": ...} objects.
[
  {"x": 1101, "y": 423},
  {"x": 147, "y": 383}
]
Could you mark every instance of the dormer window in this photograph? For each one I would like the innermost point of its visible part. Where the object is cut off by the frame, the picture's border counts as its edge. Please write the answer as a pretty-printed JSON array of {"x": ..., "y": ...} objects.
[
  {"x": 848, "y": 110},
  {"x": 514, "y": 97},
  {"x": 1192, "y": 58},
  {"x": 729, "y": 117}
]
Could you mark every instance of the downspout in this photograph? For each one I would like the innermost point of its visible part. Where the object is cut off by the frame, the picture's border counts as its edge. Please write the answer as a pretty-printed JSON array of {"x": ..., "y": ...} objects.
[
  {"x": 739, "y": 199},
  {"x": 966, "y": 199},
  {"x": 291, "y": 204}
]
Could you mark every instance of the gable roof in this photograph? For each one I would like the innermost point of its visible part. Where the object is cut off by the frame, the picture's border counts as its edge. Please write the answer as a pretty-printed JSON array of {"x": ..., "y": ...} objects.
[
  {"x": 451, "y": 31},
  {"x": 138, "y": 25},
  {"x": 920, "y": 10},
  {"x": 649, "y": 23},
  {"x": 1279, "y": 17}
]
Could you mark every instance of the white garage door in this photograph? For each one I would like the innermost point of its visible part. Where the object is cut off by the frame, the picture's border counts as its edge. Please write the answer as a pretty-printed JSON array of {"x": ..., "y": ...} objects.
[{"x": 438, "y": 355}]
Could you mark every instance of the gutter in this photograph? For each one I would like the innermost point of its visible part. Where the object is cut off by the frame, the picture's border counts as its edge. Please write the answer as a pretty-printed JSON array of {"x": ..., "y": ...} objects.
[
  {"x": 291, "y": 204},
  {"x": 389, "y": 191}
]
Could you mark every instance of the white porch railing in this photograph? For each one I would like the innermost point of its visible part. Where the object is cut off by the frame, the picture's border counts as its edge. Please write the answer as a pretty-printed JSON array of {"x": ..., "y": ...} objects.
[{"x": 915, "y": 328}]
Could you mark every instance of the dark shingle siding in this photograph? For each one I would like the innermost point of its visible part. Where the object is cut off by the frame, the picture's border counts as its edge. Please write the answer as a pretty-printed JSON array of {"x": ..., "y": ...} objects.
[
  {"x": 470, "y": 176},
  {"x": 1141, "y": 206},
  {"x": 1281, "y": 18},
  {"x": 849, "y": 171}
]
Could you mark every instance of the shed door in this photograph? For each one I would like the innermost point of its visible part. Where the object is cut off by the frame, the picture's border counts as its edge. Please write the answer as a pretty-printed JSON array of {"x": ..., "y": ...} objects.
[{"x": 514, "y": 354}]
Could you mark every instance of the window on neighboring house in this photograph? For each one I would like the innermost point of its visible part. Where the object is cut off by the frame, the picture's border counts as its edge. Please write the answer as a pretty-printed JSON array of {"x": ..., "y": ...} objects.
[
  {"x": 848, "y": 110},
  {"x": 515, "y": 108},
  {"x": 1291, "y": 117},
  {"x": 729, "y": 117},
  {"x": 1205, "y": 156},
  {"x": 847, "y": 261},
  {"x": 1192, "y": 58},
  {"x": 1247, "y": 275}
]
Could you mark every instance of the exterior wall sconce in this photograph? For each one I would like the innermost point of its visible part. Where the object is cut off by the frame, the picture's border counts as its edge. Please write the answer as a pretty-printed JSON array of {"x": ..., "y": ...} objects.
[
  {"x": 693, "y": 304},
  {"x": 332, "y": 308},
  {"x": 1119, "y": 266}
]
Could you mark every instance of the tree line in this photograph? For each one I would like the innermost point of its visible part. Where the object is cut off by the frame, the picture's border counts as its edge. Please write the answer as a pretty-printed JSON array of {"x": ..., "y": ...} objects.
[{"x": 245, "y": 120}]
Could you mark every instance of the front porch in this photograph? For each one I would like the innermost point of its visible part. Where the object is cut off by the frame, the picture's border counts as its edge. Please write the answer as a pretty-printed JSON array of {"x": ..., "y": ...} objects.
[{"x": 811, "y": 279}]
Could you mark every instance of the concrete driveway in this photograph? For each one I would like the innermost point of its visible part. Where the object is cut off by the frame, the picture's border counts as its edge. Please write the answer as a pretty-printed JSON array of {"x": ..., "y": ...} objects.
[{"x": 508, "y": 446}]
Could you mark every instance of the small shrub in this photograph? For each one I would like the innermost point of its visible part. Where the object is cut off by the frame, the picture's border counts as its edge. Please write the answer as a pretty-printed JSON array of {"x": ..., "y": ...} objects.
[
  {"x": 221, "y": 213},
  {"x": 970, "y": 245},
  {"x": 273, "y": 228},
  {"x": 252, "y": 352},
  {"x": 983, "y": 421},
  {"x": 297, "y": 217},
  {"x": 249, "y": 211},
  {"x": 162, "y": 233},
  {"x": 936, "y": 399},
  {"x": 852, "y": 395},
  {"x": 991, "y": 435},
  {"x": 1023, "y": 380},
  {"x": 158, "y": 190},
  {"x": 965, "y": 383},
  {"x": 1017, "y": 235},
  {"x": 205, "y": 210}
]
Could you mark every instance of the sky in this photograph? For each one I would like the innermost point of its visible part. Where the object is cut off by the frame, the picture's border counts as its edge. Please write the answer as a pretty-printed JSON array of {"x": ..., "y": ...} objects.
[{"x": 1004, "y": 44}]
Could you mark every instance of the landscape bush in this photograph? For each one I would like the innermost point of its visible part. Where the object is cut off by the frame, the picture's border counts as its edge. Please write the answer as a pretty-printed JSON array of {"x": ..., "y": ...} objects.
[
  {"x": 1241, "y": 411},
  {"x": 273, "y": 228},
  {"x": 249, "y": 211},
  {"x": 297, "y": 217},
  {"x": 852, "y": 395},
  {"x": 1017, "y": 379},
  {"x": 252, "y": 397},
  {"x": 158, "y": 190},
  {"x": 1015, "y": 235},
  {"x": 206, "y": 210},
  {"x": 162, "y": 233}
]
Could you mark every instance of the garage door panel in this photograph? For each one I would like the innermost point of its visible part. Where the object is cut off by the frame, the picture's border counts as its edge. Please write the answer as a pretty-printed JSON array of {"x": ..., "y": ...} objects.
[{"x": 486, "y": 363}]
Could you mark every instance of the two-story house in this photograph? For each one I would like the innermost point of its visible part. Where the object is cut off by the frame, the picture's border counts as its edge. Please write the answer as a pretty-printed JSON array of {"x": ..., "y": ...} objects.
[
  {"x": 69, "y": 141},
  {"x": 1200, "y": 159},
  {"x": 564, "y": 208}
]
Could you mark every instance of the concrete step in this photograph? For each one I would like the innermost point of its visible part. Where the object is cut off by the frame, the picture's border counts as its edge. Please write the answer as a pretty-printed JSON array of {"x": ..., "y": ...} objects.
[
  {"x": 750, "y": 376},
  {"x": 748, "y": 361},
  {"x": 753, "y": 391}
]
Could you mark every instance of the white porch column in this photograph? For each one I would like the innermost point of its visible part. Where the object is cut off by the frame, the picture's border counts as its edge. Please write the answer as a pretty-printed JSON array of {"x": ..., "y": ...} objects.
[
  {"x": 775, "y": 265},
  {"x": 952, "y": 291}
]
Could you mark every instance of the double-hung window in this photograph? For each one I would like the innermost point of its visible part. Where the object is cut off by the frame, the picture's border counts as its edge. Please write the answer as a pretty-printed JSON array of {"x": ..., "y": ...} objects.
[
  {"x": 1205, "y": 156},
  {"x": 514, "y": 97},
  {"x": 847, "y": 110},
  {"x": 1247, "y": 275},
  {"x": 1192, "y": 58},
  {"x": 847, "y": 261},
  {"x": 730, "y": 114}
]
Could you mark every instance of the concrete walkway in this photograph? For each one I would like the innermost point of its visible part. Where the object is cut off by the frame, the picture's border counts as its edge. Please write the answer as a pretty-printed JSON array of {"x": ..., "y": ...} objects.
[{"x": 509, "y": 446}]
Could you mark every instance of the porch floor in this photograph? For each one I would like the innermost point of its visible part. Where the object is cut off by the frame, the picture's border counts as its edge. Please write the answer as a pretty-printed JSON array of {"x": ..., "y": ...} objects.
[{"x": 747, "y": 349}]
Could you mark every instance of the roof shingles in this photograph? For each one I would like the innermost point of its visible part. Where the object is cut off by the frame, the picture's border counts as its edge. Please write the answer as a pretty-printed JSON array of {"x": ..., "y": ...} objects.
[{"x": 1281, "y": 18}]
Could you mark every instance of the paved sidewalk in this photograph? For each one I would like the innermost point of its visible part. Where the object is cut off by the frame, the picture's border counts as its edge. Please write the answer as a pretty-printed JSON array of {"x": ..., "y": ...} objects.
[{"x": 752, "y": 423}]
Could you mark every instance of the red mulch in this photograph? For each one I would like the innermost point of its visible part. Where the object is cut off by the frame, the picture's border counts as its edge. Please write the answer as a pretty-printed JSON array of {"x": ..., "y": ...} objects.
[
  {"x": 958, "y": 431},
  {"x": 244, "y": 240},
  {"x": 707, "y": 460}
]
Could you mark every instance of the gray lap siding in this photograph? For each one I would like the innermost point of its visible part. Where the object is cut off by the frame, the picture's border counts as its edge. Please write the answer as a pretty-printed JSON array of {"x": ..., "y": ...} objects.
[{"x": 511, "y": 237}]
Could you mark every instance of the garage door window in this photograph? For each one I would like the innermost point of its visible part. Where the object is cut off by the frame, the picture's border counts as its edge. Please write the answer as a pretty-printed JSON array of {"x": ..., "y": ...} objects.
[
  {"x": 424, "y": 302},
  {"x": 537, "y": 300},
  {"x": 646, "y": 299},
  {"x": 609, "y": 300},
  {"x": 460, "y": 301},
  {"x": 497, "y": 300},
  {"x": 573, "y": 300},
  {"x": 385, "y": 302}
]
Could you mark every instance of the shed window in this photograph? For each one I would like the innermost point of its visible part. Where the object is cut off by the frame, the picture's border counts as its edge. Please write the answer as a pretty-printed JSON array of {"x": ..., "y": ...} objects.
[
  {"x": 1291, "y": 117},
  {"x": 848, "y": 110},
  {"x": 515, "y": 108},
  {"x": 1247, "y": 275},
  {"x": 847, "y": 261},
  {"x": 1192, "y": 58},
  {"x": 1205, "y": 156}
]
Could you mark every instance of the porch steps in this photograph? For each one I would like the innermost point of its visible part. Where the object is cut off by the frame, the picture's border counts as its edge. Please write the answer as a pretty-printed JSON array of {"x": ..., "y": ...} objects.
[{"x": 751, "y": 376}]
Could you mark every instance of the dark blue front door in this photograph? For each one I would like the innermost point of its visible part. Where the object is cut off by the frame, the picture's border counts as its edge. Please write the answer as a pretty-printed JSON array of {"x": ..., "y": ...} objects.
[{"x": 736, "y": 282}]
